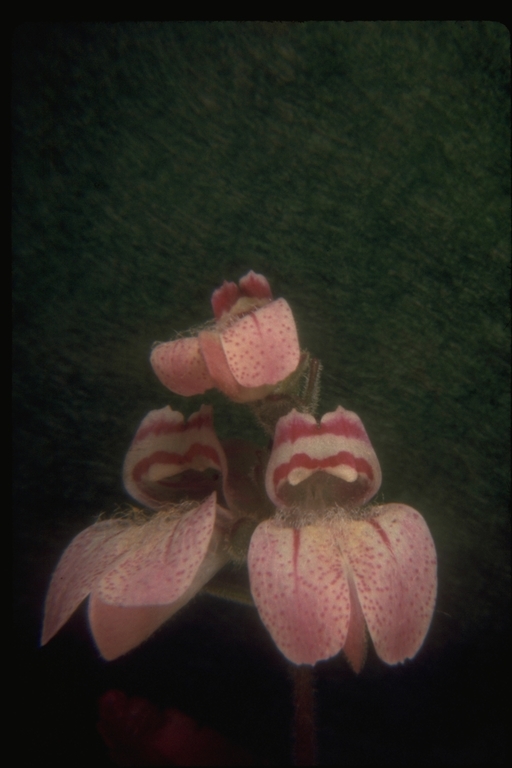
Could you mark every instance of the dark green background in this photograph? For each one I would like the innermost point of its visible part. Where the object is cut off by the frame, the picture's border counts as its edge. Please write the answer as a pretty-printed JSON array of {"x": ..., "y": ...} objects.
[{"x": 364, "y": 169}]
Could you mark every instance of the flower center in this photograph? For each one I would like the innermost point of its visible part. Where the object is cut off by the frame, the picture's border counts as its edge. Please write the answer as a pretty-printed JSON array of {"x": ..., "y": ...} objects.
[{"x": 321, "y": 490}]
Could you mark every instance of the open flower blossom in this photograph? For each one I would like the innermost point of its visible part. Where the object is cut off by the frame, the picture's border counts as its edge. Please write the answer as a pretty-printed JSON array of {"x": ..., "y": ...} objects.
[
  {"x": 326, "y": 569},
  {"x": 251, "y": 347},
  {"x": 138, "y": 573},
  {"x": 323, "y": 569}
]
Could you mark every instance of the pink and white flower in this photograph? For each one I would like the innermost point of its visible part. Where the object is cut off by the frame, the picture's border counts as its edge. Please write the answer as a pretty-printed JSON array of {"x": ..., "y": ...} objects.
[
  {"x": 325, "y": 571},
  {"x": 138, "y": 573},
  {"x": 252, "y": 346}
]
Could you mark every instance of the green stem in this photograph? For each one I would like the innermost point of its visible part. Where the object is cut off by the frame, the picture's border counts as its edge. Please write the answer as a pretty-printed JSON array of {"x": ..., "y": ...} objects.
[
  {"x": 312, "y": 388},
  {"x": 231, "y": 583}
]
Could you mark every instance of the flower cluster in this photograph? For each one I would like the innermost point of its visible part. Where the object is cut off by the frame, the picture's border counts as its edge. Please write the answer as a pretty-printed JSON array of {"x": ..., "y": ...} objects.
[
  {"x": 326, "y": 568},
  {"x": 251, "y": 347}
]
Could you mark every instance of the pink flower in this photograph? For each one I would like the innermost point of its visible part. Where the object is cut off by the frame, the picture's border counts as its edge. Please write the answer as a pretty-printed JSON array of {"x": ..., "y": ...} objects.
[
  {"x": 325, "y": 570},
  {"x": 138, "y": 573},
  {"x": 252, "y": 346}
]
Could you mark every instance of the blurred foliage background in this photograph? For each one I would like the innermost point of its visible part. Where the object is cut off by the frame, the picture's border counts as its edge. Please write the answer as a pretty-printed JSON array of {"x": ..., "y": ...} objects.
[{"x": 364, "y": 169}]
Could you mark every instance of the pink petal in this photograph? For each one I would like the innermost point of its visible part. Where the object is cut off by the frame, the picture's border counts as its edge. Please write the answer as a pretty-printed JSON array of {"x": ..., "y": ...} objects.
[
  {"x": 220, "y": 372},
  {"x": 393, "y": 560},
  {"x": 163, "y": 559},
  {"x": 224, "y": 298},
  {"x": 252, "y": 285},
  {"x": 300, "y": 588},
  {"x": 262, "y": 347},
  {"x": 117, "y": 630},
  {"x": 217, "y": 365},
  {"x": 255, "y": 285},
  {"x": 338, "y": 446},
  {"x": 164, "y": 447},
  {"x": 81, "y": 565},
  {"x": 180, "y": 367}
]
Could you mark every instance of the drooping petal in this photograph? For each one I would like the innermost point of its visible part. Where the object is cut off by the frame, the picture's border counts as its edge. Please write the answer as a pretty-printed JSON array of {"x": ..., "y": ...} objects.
[
  {"x": 393, "y": 560},
  {"x": 300, "y": 588},
  {"x": 119, "y": 628},
  {"x": 339, "y": 446},
  {"x": 180, "y": 367},
  {"x": 165, "y": 447},
  {"x": 138, "y": 574},
  {"x": 81, "y": 565},
  {"x": 162, "y": 563},
  {"x": 262, "y": 347}
]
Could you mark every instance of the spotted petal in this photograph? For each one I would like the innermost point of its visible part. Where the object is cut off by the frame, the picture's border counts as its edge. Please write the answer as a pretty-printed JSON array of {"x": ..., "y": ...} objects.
[
  {"x": 81, "y": 565},
  {"x": 393, "y": 560},
  {"x": 218, "y": 368},
  {"x": 180, "y": 367},
  {"x": 262, "y": 347},
  {"x": 119, "y": 629},
  {"x": 301, "y": 590},
  {"x": 137, "y": 575},
  {"x": 172, "y": 561},
  {"x": 164, "y": 556}
]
